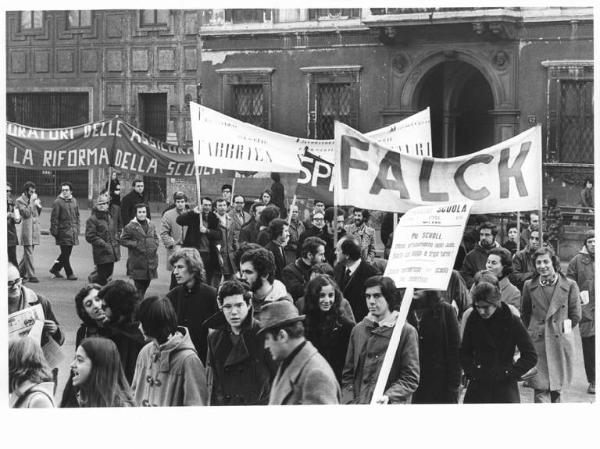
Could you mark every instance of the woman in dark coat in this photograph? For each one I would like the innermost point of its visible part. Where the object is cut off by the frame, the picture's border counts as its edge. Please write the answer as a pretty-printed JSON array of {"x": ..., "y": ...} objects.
[
  {"x": 102, "y": 234},
  {"x": 239, "y": 367},
  {"x": 491, "y": 335},
  {"x": 325, "y": 326},
  {"x": 437, "y": 325},
  {"x": 278, "y": 197}
]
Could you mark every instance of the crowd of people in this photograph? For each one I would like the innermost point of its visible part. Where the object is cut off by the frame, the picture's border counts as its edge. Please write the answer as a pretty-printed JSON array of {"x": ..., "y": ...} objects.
[{"x": 265, "y": 308}]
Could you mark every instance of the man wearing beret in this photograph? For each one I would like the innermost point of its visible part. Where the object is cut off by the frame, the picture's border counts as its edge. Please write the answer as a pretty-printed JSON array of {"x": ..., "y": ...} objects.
[{"x": 304, "y": 376}]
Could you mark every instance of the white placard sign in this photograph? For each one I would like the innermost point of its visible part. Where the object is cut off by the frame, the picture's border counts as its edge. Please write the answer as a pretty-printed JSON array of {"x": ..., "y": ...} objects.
[{"x": 425, "y": 245}]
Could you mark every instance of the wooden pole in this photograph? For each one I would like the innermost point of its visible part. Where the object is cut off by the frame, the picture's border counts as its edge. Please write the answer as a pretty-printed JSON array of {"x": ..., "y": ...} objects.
[
  {"x": 232, "y": 188},
  {"x": 518, "y": 230},
  {"x": 390, "y": 353},
  {"x": 289, "y": 219},
  {"x": 335, "y": 229},
  {"x": 199, "y": 193}
]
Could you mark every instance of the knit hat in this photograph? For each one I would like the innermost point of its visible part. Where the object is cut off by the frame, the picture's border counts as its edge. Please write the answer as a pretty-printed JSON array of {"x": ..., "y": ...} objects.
[
  {"x": 588, "y": 235},
  {"x": 102, "y": 198}
]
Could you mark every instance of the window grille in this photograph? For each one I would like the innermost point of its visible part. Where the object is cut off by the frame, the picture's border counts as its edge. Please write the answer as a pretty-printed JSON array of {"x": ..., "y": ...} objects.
[
  {"x": 334, "y": 102},
  {"x": 79, "y": 19},
  {"x": 248, "y": 104},
  {"x": 576, "y": 121}
]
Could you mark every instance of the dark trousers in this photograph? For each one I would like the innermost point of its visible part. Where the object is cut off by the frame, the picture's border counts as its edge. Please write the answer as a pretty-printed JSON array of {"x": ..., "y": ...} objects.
[
  {"x": 103, "y": 272},
  {"x": 63, "y": 260},
  {"x": 141, "y": 285},
  {"x": 12, "y": 255},
  {"x": 589, "y": 357}
]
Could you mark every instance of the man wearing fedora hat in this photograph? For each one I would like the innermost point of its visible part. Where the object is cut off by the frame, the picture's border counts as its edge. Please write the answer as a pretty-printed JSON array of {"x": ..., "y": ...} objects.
[{"x": 304, "y": 376}]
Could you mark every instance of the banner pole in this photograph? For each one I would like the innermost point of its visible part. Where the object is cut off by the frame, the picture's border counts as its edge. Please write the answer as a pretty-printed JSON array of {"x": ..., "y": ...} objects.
[
  {"x": 335, "y": 229},
  {"x": 518, "y": 230},
  {"x": 199, "y": 194},
  {"x": 232, "y": 188},
  {"x": 392, "y": 348},
  {"x": 289, "y": 219}
]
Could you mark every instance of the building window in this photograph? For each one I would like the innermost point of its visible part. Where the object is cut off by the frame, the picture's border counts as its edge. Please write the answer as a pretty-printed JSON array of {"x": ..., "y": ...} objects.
[
  {"x": 247, "y": 94},
  {"x": 79, "y": 19},
  {"x": 249, "y": 104},
  {"x": 325, "y": 14},
  {"x": 333, "y": 94},
  {"x": 32, "y": 20},
  {"x": 248, "y": 15},
  {"x": 570, "y": 126},
  {"x": 154, "y": 17}
]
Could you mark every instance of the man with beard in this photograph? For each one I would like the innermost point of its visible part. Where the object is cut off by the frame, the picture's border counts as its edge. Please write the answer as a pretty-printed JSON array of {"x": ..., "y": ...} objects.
[
  {"x": 364, "y": 234},
  {"x": 296, "y": 275},
  {"x": 280, "y": 235},
  {"x": 257, "y": 269},
  {"x": 476, "y": 259},
  {"x": 329, "y": 233},
  {"x": 172, "y": 233},
  {"x": 316, "y": 230},
  {"x": 204, "y": 238},
  {"x": 523, "y": 266},
  {"x": 350, "y": 272},
  {"x": 136, "y": 196}
]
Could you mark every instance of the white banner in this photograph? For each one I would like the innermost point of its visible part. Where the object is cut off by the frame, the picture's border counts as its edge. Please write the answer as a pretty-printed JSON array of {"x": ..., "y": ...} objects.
[
  {"x": 425, "y": 245},
  {"x": 505, "y": 177}
]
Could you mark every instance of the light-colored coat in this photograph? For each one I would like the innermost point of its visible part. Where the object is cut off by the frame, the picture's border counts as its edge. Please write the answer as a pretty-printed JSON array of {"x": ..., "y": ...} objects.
[
  {"x": 171, "y": 233},
  {"x": 366, "y": 237},
  {"x": 307, "y": 380},
  {"x": 544, "y": 319},
  {"x": 30, "y": 226}
]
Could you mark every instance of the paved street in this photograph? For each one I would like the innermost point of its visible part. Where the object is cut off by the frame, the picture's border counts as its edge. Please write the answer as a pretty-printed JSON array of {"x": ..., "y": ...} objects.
[{"x": 61, "y": 293}]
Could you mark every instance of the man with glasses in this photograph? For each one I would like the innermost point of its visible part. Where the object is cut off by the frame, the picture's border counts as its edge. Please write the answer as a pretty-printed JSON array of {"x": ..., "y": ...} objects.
[
  {"x": 317, "y": 229},
  {"x": 21, "y": 297},
  {"x": 476, "y": 259},
  {"x": 12, "y": 218},
  {"x": 64, "y": 226},
  {"x": 239, "y": 216},
  {"x": 523, "y": 265},
  {"x": 30, "y": 207}
]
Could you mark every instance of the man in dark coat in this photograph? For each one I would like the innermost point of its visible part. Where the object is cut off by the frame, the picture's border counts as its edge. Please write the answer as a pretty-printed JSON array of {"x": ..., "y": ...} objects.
[
  {"x": 193, "y": 300},
  {"x": 296, "y": 275},
  {"x": 239, "y": 368},
  {"x": 329, "y": 234},
  {"x": 64, "y": 226},
  {"x": 101, "y": 233},
  {"x": 486, "y": 354},
  {"x": 279, "y": 230},
  {"x": 523, "y": 266},
  {"x": 476, "y": 259},
  {"x": 350, "y": 273},
  {"x": 128, "y": 202},
  {"x": 250, "y": 230},
  {"x": 317, "y": 229}
]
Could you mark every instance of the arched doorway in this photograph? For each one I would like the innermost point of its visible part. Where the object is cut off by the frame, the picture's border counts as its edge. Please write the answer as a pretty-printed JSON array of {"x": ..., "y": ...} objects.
[{"x": 460, "y": 101}]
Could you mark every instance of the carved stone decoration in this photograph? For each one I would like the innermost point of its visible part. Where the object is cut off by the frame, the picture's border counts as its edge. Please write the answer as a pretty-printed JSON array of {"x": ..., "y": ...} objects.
[
  {"x": 399, "y": 63},
  {"x": 500, "y": 59}
]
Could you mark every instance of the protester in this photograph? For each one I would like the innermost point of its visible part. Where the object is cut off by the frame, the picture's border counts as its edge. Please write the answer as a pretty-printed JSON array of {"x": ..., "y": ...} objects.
[
  {"x": 30, "y": 208},
  {"x": 582, "y": 270},
  {"x": 364, "y": 234},
  {"x": 266, "y": 196},
  {"x": 437, "y": 326},
  {"x": 351, "y": 272},
  {"x": 326, "y": 324},
  {"x": 120, "y": 301},
  {"x": 30, "y": 382},
  {"x": 239, "y": 369},
  {"x": 321, "y": 268},
  {"x": 551, "y": 307},
  {"x": 499, "y": 262},
  {"x": 64, "y": 226},
  {"x": 172, "y": 233},
  {"x": 490, "y": 338},
  {"x": 316, "y": 230},
  {"x": 237, "y": 257},
  {"x": 12, "y": 218},
  {"x": 476, "y": 259},
  {"x": 168, "y": 371},
  {"x": 90, "y": 309},
  {"x": 239, "y": 216},
  {"x": 329, "y": 234},
  {"x": 318, "y": 207},
  {"x": 279, "y": 230},
  {"x": 512, "y": 236},
  {"x": 98, "y": 375},
  {"x": 554, "y": 225},
  {"x": 227, "y": 245},
  {"x": 523, "y": 265},
  {"x": 114, "y": 190},
  {"x": 304, "y": 377},
  {"x": 102, "y": 234},
  {"x": 324, "y": 271},
  {"x": 204, "y": 238},
  {"x": 133, "y": 198},
  {"x": 141, "y": 239},
  {"x": 257, "y": 269},
  {"x": 250, "y": 230},
  {"x": 368, "y": 344},
  {"x": 296, "y": 275},
  {"x": 278, "y": 194},
  {"x": 533, "y": 219},
  {"x": 193, "y": 300},
  {"x": 268, "y": 214},
  {"x": 226, "y": 191},
  {"x": 296, "y": 228},
  {"x": 586, "y": 196},
  {"x": 457, "y": 294}
]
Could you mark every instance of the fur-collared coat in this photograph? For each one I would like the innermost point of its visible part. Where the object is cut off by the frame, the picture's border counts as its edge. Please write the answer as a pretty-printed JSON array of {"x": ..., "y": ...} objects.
[
  {"x": 544, "y": 312},
  {"x": 308, "y": 379}
]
